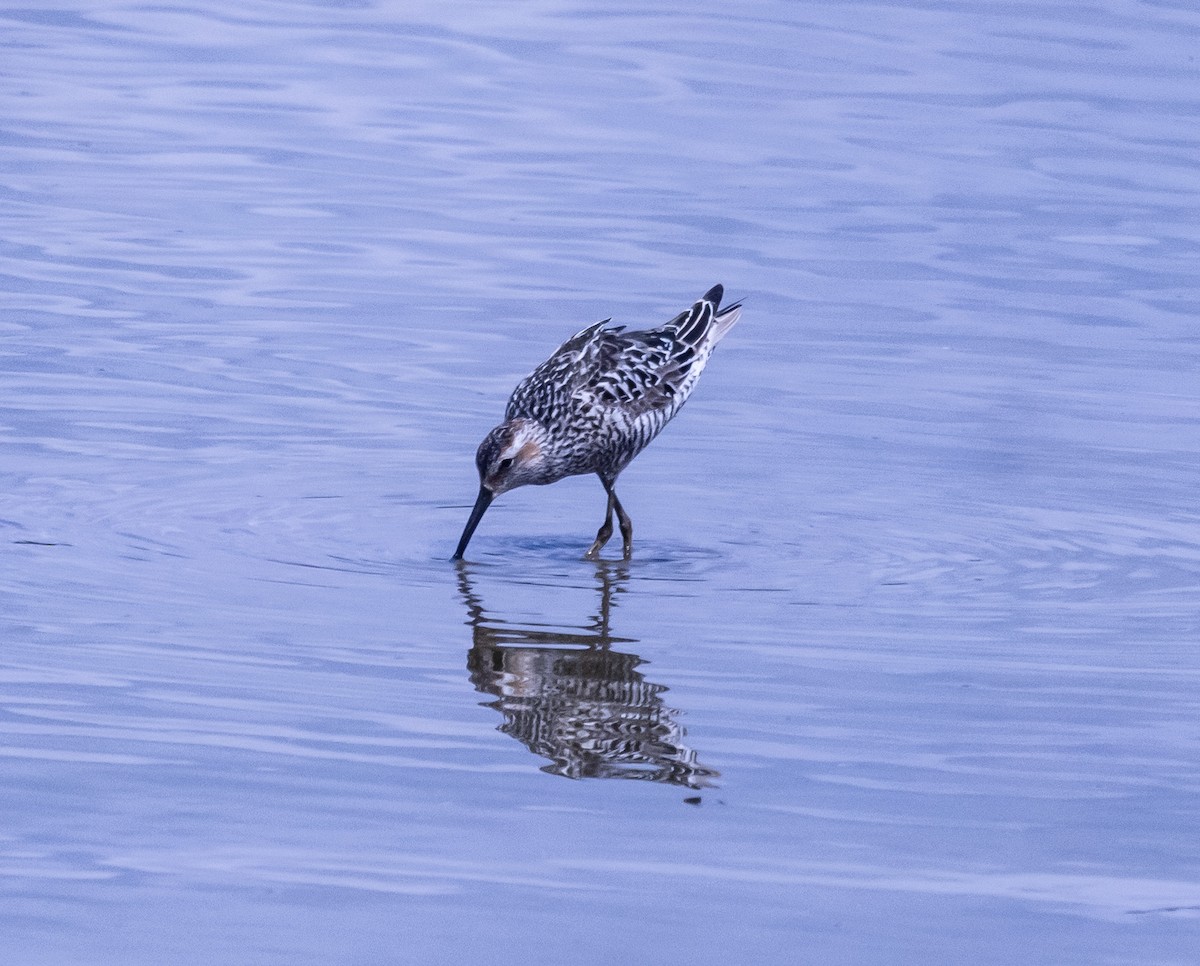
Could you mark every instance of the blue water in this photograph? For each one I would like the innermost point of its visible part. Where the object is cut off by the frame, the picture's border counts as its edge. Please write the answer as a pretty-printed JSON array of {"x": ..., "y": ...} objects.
[{"x": 904, "y": 669}]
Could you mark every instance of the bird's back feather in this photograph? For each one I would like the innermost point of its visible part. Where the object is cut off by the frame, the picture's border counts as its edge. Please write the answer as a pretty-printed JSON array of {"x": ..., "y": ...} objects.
[{"x": 617, "y": 389}]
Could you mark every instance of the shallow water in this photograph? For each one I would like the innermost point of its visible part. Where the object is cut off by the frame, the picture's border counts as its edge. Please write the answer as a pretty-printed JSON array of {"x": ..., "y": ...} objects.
[{"x": 904, "y": 668}]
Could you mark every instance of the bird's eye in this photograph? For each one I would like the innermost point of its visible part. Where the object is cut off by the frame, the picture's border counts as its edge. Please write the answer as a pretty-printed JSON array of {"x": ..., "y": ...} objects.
[{"x": 505, "y": 464}]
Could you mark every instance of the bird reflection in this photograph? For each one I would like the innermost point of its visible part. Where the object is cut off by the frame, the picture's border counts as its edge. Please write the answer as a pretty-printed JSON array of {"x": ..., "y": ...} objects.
[{"x": 571, "y": 698}]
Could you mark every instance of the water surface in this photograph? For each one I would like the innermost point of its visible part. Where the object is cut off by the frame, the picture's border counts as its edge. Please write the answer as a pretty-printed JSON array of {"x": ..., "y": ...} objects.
[{"x": 904, "y": 667}]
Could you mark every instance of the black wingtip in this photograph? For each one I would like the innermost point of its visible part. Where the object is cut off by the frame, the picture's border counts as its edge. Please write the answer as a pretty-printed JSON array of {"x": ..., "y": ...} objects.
[{"x": 714, "y": 295}]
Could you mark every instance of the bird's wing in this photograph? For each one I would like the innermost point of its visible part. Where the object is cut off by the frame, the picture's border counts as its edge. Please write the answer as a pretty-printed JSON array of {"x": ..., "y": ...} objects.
[
  {"x": 637, "y": 372},
  {"x": 642, "y": 372},
  {"x": 552, "y": 383}
]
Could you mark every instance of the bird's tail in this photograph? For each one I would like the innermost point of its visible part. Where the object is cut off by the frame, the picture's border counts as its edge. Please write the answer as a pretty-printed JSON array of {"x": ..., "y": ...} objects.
[
  {"x": 726, "y": 320},
  {"x": 702, "y": 320}
]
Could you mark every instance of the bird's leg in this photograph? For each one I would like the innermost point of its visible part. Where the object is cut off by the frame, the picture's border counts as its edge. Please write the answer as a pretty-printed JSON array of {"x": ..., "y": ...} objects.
[
  {"x": 626, "y": 526},
  {"x": 606, "y": 527}
]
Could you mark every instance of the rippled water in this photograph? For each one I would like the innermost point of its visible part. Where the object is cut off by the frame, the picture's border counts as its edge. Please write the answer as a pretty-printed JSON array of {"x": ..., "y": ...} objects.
[{"x": 904, "y": 668}]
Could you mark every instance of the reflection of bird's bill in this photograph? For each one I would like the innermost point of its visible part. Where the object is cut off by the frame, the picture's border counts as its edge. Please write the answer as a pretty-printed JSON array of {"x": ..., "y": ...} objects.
[{"x": 482, "y": 502}]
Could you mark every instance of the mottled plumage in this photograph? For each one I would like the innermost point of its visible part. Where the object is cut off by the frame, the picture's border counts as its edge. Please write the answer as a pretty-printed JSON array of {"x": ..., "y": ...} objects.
[{"x": 595, "y": 404}]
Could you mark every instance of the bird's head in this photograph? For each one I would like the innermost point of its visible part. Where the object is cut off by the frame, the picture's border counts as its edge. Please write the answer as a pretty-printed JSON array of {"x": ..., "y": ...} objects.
[{"x": 511, "y": 455}]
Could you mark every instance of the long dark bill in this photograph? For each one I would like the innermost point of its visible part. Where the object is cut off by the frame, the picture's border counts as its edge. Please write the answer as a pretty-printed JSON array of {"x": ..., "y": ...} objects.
[{"x": 482, "y": 502}]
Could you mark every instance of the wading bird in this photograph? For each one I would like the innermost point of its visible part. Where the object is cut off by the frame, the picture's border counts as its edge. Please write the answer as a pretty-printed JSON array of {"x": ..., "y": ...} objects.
[{"x": 594, "y": 405}]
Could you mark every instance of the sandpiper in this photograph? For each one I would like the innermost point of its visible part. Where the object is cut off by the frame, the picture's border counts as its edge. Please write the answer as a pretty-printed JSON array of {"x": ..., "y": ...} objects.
[{"x": 594, "y": 405}]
